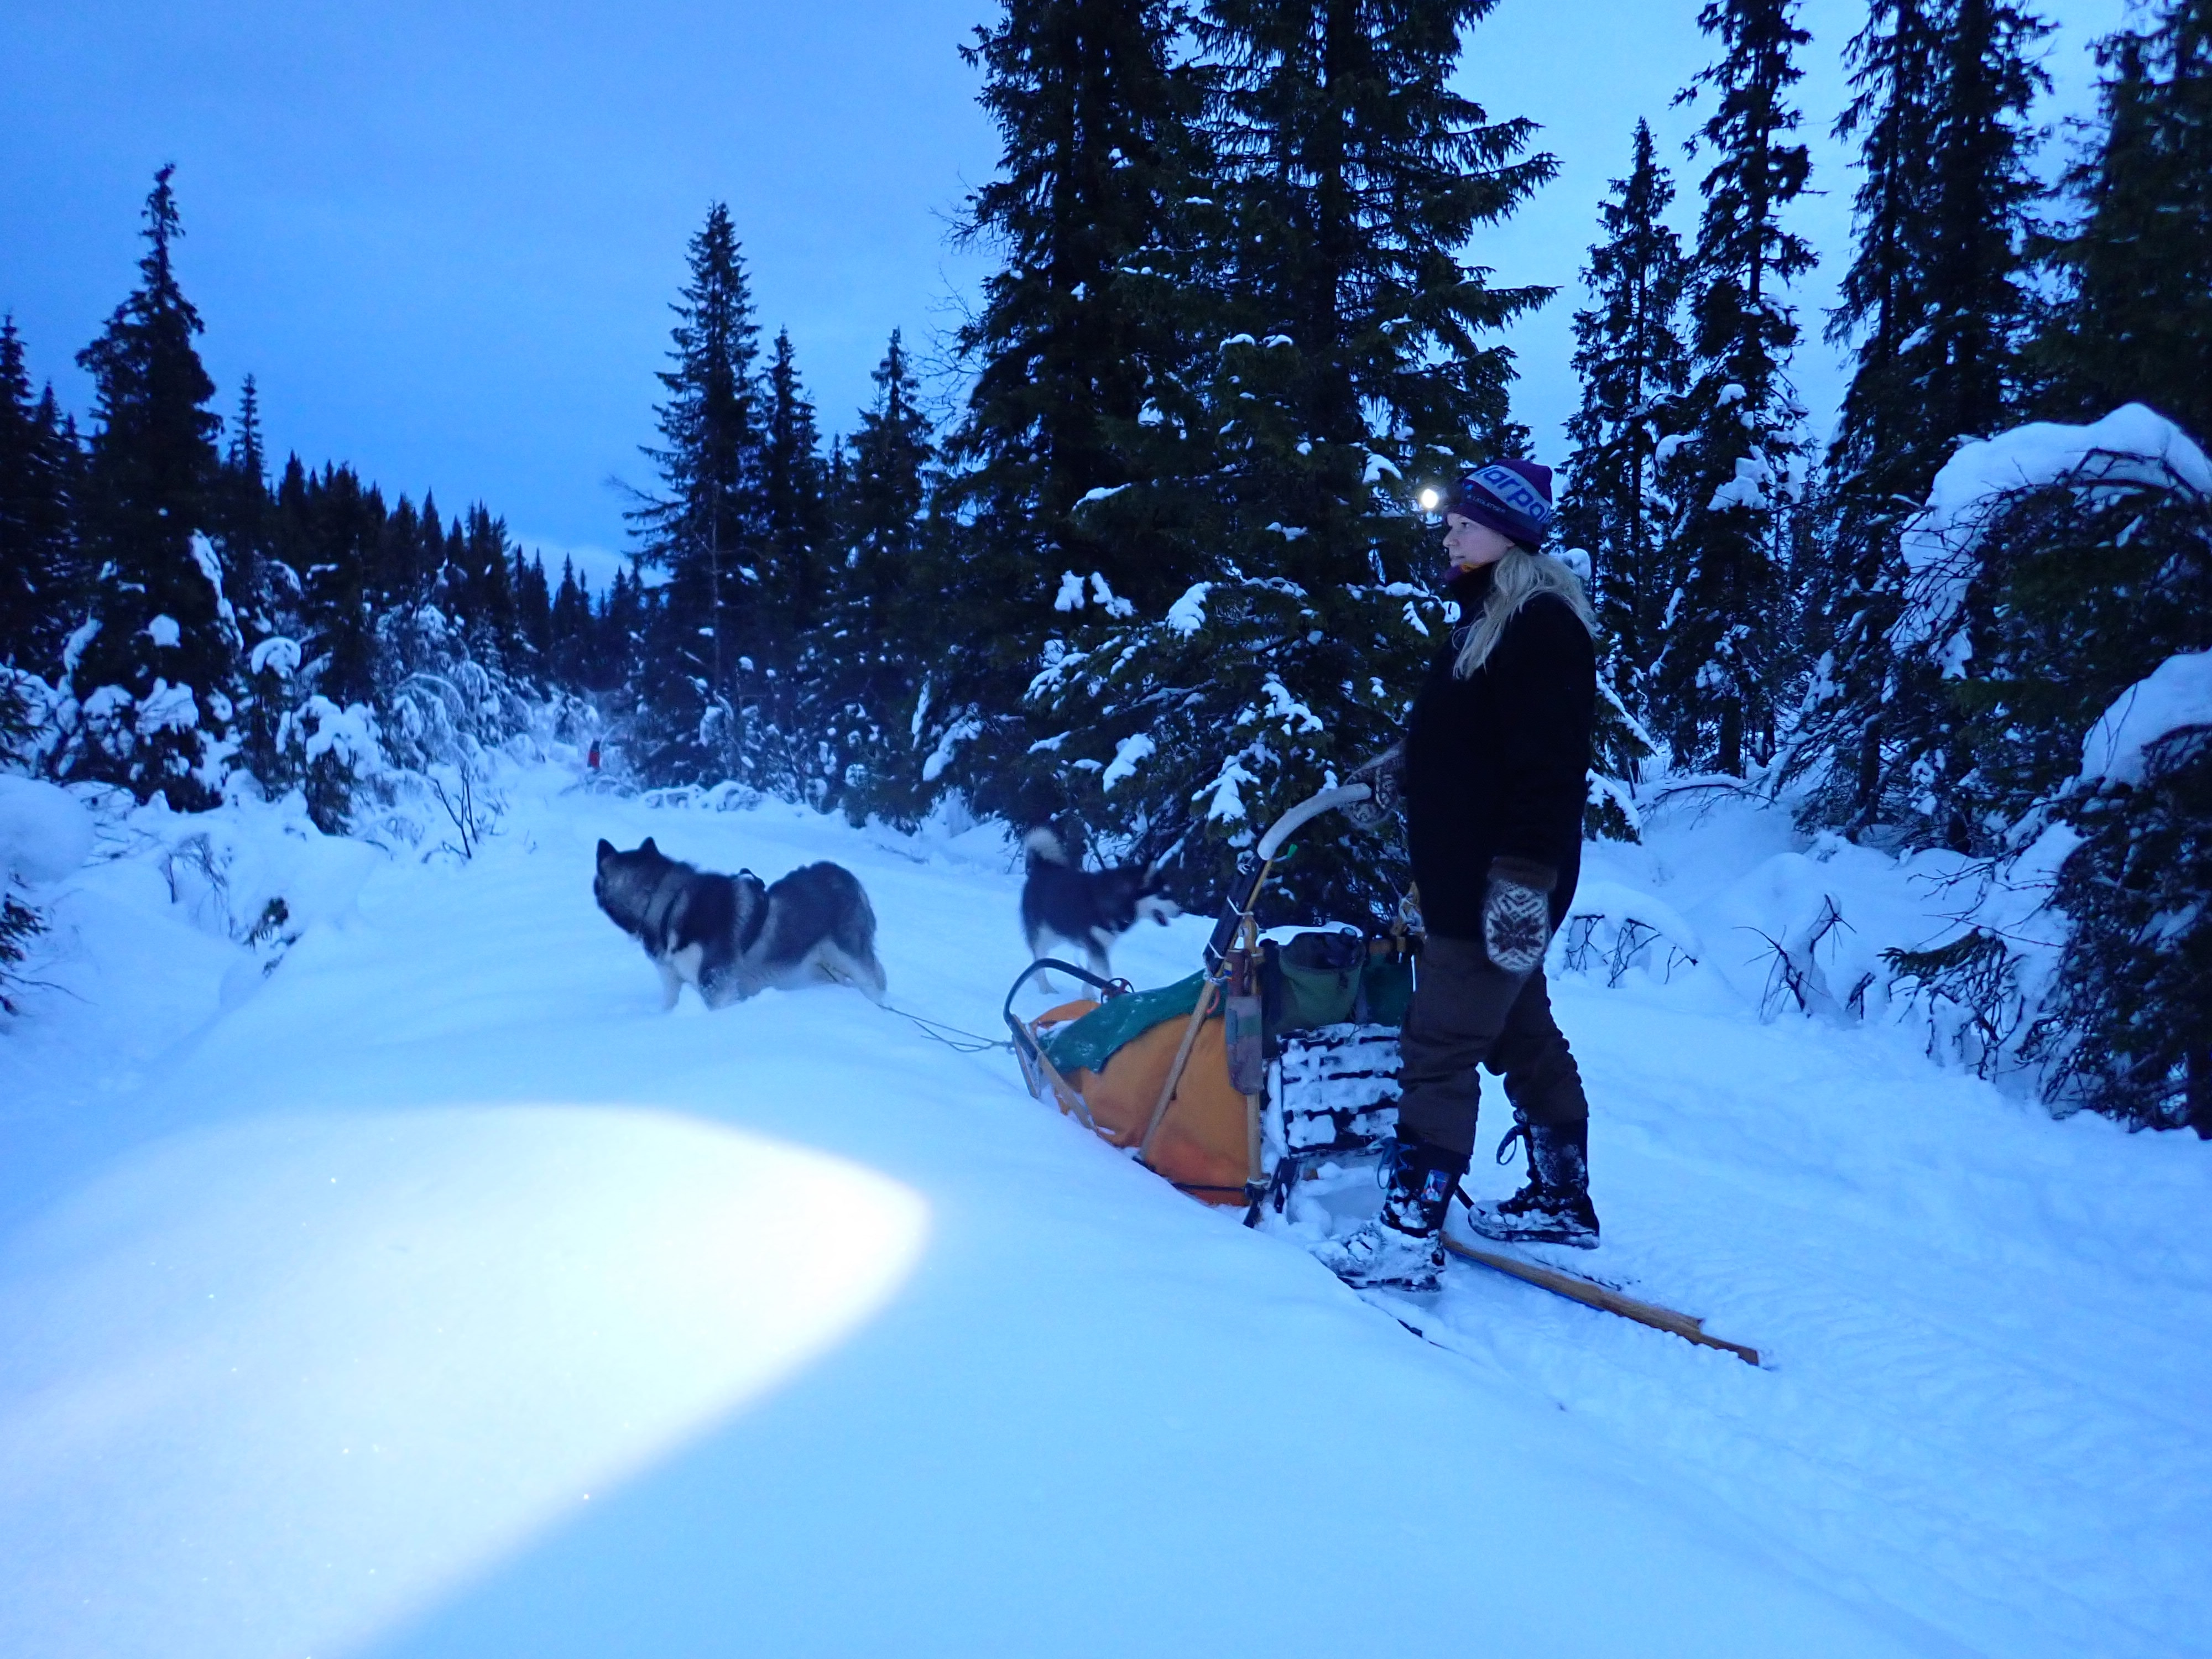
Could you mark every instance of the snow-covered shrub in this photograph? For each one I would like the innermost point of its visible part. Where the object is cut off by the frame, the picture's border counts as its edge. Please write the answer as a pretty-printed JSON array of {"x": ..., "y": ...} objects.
[
  {"x": 2049, "y": 565},
  {"x": 2085, "y": 956},
  {"x": 1611, "y": 928},
  {"x": 44, "y": 835},
  {"x": 2128, "y": 1026},
  {"x": 338, "y": 755}
]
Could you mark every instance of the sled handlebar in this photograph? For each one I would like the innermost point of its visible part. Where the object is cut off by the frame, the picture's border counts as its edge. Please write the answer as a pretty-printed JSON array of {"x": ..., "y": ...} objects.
[
  {"x": 1311, "y": 807},
  {"x": 1239, "y": 905}
]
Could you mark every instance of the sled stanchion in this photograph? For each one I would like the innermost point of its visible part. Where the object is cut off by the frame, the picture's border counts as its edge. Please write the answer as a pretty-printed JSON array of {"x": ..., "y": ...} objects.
[
  {"x": 1175, "y": 1072},
  {"x": 1064, "y": 1093},
  {"x": 1602, "y": 1297}
]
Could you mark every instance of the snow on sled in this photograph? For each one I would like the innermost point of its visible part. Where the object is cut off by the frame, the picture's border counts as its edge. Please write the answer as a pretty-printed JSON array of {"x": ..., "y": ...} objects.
[
  {"x": 1272, "y": 1055},
  {"x": 1275, "y": 1059}
]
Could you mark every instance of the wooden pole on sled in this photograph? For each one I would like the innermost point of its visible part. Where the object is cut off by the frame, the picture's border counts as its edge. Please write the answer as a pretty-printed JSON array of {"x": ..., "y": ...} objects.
[
  {"x": 1250, "y": 929},
  {"x": 1175, "y": 1072},
  {"x": 1271, "y": 845}
]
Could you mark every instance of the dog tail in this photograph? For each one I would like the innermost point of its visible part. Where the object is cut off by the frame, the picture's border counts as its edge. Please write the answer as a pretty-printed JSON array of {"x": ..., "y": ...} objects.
[{"x": 1043, "y": 848}]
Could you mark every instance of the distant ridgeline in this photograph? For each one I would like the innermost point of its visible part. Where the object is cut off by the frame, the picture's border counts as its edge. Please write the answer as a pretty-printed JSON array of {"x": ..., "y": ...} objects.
[{"x": 1163, "y": 567}]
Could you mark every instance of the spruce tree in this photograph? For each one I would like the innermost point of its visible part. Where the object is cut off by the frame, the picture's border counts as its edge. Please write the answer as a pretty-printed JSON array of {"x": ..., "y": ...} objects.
[
  {"x": 1631, "y": 359},
  {"x": 479, "y": 584},
  {"x": 620, "y": 635},
  {"x": 880, "y": 506},
  {"x": 1074, "y": 342},
  {"x": 155, "y": 675},
  {"x": 702, "y": 528},
  {"x": 881, "y": 622},
  {"x": 1093, "y": 110},
  {"x": 243, "y": 510},
  {"x": 533, "y": 619},
  {"x": 38, "y": 456},
  {"x": 329, "y": 528},
  {"x": 795, "y": 527},
  {"x": 1728, "y": 628},
  {"x": 1936, "y": 297},
  {"x": 2135, "y": 322},
  {"x": 569, "y": 628},
  {"x": 2128, "y": 1029},
  {"x": 1361, "y": 365},
  {"x": 1359, "y": 178}
]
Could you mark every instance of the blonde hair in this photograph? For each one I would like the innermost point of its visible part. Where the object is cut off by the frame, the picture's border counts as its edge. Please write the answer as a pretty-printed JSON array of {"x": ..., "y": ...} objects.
[{"x": 1514, "y": 581}]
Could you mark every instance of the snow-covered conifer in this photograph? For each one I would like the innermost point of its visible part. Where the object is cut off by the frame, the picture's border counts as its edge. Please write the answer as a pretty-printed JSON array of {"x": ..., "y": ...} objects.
[
  {"x": 2050, "y": 564},
  {"x": 1936, "y": 298},
  {"x": 1631, "y": 359},
  {"x": 533, "y": 619},
  {"x": 2128, "y": 1030},
  {"x": 881, "y": 626},
  {"x": 1359, "y": 361},
  {"x": 701, "y": 528},
  {"x": 1728, "y": 628},
  {"x": 38, "y": 462},
  {"x": 158, "y": 651},
  {"x": 1095, "y": 104},
  {"x": 2135, "y": 321}
]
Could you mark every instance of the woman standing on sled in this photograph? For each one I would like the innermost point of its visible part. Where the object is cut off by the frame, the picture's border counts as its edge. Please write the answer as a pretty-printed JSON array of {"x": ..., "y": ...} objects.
[{"x": 1495, "y": 769}]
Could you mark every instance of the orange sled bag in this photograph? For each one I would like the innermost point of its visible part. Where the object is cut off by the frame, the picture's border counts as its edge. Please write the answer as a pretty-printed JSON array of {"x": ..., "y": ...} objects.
[{"x": 1106, "y": 1064}]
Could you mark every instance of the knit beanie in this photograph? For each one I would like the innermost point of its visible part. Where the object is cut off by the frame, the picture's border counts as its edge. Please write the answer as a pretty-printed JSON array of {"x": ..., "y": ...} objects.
[{"x": 1514, "y": 498}]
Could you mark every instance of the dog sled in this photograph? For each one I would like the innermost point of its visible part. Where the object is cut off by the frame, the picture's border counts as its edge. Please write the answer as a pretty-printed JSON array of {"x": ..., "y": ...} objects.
[
  {"x": 1274, "y": 1061},
  {"x": 1275, "y": 1056}
]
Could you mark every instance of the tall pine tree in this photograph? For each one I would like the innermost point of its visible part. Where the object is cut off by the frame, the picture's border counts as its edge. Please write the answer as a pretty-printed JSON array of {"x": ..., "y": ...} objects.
[
  {"x": 2135, "y": 323},
  {"x": 1629, "y": 356},
  {"x": 1095, "y": 110},
  {"x": 154, "y": 673},
  {"x": 795, "y": 516},
  {"x": 1936, "y": 297},
  {"x": 702, "y": 528},
  {"x": 1362, "y": 363},
  {"x": 1359, "y": 178},
  {"x": 243, "y": 515},
  {"x": 1070, "y": 346},
  {"x": 38, "y": 459},
  {"x": 1728, "y": 627},
  {"x": 883, "y": 622}
]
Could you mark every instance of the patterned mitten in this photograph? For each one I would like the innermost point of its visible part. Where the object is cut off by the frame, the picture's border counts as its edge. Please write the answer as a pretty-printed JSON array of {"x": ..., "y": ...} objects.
[
  {"x": 1385, "y": 775},
  {"x": 1516, "y": 914}
]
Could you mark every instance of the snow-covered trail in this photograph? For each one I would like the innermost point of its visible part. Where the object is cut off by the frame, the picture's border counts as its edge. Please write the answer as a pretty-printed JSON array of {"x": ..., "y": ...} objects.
[{"x": 442, "y": 1295}]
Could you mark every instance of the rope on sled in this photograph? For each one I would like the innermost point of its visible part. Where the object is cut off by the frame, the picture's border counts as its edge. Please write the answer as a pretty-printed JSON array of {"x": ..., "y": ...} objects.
[{"x": 960, "y": 1042}]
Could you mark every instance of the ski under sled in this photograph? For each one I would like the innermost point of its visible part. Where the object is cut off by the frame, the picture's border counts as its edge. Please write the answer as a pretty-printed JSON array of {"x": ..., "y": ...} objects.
[{"x": 1238, "y": 1082}]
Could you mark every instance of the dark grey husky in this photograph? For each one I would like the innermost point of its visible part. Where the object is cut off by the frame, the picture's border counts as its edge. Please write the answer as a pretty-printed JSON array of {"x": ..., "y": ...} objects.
[
  {"x": 733, "y": 936},
  {"x": 1088, "y": 908}
]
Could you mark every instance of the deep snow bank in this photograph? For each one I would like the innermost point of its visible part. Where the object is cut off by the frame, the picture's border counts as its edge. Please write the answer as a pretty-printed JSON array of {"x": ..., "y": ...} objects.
[{"x": 326, "y": 1294}]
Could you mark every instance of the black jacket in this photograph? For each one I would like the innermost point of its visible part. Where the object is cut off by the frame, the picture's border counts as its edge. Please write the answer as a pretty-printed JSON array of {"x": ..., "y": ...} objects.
[{"x": 1498, "y": 764}]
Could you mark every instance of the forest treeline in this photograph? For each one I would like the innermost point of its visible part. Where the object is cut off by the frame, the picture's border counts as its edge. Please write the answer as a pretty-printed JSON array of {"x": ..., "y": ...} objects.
[{"x": 1165, "y": 568}]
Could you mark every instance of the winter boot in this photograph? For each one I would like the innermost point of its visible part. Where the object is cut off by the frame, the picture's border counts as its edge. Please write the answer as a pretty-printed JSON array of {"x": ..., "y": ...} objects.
[
  {"x": 1402, "y": 1248},
  {"x": 1554, "y": 1207}
]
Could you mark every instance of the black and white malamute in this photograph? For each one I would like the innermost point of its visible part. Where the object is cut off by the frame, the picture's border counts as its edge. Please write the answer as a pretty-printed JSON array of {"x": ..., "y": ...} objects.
[
  {"x": 1088, "y": 908},
  {"x": 733, "y": 936}
]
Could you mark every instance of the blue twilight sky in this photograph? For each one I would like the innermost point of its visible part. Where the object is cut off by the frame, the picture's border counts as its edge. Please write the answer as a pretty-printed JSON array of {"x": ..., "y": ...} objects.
[{"x": 443, "y": 237}]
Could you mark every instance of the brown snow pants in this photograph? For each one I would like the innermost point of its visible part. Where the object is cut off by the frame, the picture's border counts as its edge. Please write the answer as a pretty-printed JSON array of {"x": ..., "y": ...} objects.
[{"x": 1466, "y": 1013}]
